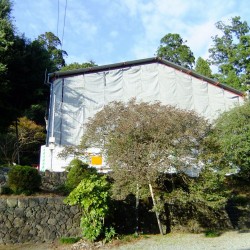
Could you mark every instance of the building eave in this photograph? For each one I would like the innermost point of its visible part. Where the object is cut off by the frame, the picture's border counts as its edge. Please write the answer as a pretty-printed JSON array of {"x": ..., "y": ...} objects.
[{"x": 65, "y": 74}]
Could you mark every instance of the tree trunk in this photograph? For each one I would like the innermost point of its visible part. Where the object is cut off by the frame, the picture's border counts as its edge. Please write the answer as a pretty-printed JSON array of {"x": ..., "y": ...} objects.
[
  {"x": 137, "y": 210},
  {"x": 156, "y": 213},
  {"x": 17, "y": 143}
]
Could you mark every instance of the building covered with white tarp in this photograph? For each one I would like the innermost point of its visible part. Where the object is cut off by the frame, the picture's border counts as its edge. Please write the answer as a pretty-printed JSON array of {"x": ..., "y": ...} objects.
[{"x": 79, "y": 94}]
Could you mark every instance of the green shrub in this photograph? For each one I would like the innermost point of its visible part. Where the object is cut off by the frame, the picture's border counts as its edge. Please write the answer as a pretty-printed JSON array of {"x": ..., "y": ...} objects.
[
  {"x": 77, "y": 171},
  {"x": 5, "y": 190},
  {"x": 69, "y": 240},
  {"x": 194, "y": 226},
  {"x": 211, "y": 233},
  {"x": 62, "y": 190},
  {"x": 24, "y": 179},
  {"x": 93, "y": 196},
  {"x": 109, "y": 234}
]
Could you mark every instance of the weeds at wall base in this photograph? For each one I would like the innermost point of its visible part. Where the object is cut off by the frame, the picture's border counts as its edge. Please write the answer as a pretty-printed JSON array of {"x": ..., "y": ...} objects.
[
  {"x": 69, "y": 240},
  {"x": 211, "y": 233}
]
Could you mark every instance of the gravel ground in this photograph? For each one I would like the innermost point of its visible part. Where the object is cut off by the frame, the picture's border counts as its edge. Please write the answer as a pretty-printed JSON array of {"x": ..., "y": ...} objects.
[{"x": 228, "y": 241}]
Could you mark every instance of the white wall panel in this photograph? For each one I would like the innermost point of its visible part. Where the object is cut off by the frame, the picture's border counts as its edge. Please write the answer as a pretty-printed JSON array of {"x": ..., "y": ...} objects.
[
  {"x": 184, "y": 90},
  {"x": 113, "y": 89},
  {"x": 149, "y": 82},
  {"x": 80, "y": 97},
  {"x": 167, "y": 85},
  {"x": 131, "y": 82},
  {"x": 201, "y": 97}
]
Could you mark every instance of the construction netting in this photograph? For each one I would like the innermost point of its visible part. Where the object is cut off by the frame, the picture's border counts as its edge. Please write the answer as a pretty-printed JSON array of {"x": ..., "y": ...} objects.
[{"x": 76, "y": 98}]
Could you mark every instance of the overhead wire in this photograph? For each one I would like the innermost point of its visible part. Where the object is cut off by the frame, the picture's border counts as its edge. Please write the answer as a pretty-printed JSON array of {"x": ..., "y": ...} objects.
[
  {"x": 58, "y": 15},
  {"x": 64, "y": 20}
]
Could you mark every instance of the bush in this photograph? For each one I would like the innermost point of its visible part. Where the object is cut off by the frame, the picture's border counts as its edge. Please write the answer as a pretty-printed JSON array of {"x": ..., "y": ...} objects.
[
  {"x": 5, "y": 190},
  {"x": 62, "y": 190},
  {"x": 69, "y": 240},
  {"x": 92, "y": 195},
  {"x": 232, "y": 131},
  {"x": 24, "y": 179},
  {"x": 109, "y": 234},
  {"x": 212, "y": 233},
  {"x": 77, "y": 171}
]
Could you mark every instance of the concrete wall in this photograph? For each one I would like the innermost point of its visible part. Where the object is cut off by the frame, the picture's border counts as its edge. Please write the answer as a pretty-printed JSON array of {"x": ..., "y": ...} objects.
[{"x": 37, "y": 219}]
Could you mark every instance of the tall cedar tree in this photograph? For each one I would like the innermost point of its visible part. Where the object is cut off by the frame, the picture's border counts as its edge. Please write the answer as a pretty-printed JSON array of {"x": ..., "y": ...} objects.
[
  {"x": 202, "y": 67},
  {"x": 173, "y": 49},
  {"x": 230, "y": 52}
]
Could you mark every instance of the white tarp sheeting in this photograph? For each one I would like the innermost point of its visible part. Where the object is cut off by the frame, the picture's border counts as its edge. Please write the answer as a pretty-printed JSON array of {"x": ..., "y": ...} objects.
[{"x": 76, "y": 98}]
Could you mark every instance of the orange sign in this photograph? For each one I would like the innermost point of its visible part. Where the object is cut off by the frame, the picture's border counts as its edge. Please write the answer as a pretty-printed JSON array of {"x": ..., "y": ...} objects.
[{"x": 96, "y": 160}]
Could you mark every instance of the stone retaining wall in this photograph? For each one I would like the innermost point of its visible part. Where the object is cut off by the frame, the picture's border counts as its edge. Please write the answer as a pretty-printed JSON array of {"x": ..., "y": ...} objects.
[
  {"x": 51, "y": 181},
  {"x": 37, "y": 219},
  {"x": 3, "y": 175}
]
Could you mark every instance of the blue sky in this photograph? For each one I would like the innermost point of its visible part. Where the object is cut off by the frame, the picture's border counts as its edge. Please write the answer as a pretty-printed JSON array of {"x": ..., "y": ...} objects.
[{"x": 111, "y": 31}]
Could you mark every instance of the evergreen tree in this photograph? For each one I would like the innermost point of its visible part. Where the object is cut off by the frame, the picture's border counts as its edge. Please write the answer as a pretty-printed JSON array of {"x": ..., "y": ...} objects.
[
  {"x": 6, "y": 42},
  {"x": 202, "y": 67},
  {"x": 232, "y": 131},
  {"x": 51, "y": 43},
  {"x": 173, "y": 49},
  {"x": 76, "y": 65},
  {"x": 230, "y": 52}
]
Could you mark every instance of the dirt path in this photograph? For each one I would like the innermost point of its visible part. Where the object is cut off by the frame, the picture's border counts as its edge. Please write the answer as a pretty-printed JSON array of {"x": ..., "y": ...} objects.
[
  {"x": 228, "y": 241},
  {"x": 37, "y": 246}
]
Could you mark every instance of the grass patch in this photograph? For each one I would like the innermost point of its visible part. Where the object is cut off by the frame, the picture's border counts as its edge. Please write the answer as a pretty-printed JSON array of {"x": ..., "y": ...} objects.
[
  {"x": 212, "y": 233},
  {"x": 128, "y": 238},
  {"x": 69, "y": 240}
]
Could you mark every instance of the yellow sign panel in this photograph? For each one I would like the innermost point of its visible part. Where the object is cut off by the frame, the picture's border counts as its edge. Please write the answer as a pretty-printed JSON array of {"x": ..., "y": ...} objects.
[{"x": 96, "y": 160}]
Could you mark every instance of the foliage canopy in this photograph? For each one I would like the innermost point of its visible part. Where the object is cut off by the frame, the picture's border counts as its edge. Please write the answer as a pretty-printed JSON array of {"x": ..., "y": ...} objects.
[
  {"x": 202, "y": 67},
  {"x": 232, "y": 131},
  {"x": 76, "y": 65},
  {"x": 77, "y": 171},
  {"x": 230, "y": 52},
  {"x": 142, "y": 140},
  {"x": 24, "y": 179},
  {"x": 92, "y": 195},
  {"x": 51, "y": 42},
  {"x": 173, "y": 48},
  {"x": 30, "y": 136}
]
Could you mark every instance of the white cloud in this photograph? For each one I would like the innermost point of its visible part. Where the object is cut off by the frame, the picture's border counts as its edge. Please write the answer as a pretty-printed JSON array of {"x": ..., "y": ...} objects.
[
  {"x": 109, "y": 31},
  {"x": 194, "y": 20},
  {"x": 199, "y": 37},
  {"x": 171, "y": 8},
  {"x": 132, "y": 6},
  {"x": 143, "y": 50},
  {"x": 80, "y": 23}
]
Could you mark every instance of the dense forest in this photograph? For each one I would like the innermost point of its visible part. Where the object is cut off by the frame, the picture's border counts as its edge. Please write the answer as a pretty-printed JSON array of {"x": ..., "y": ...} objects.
[{"x": 24, "y": 64}]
